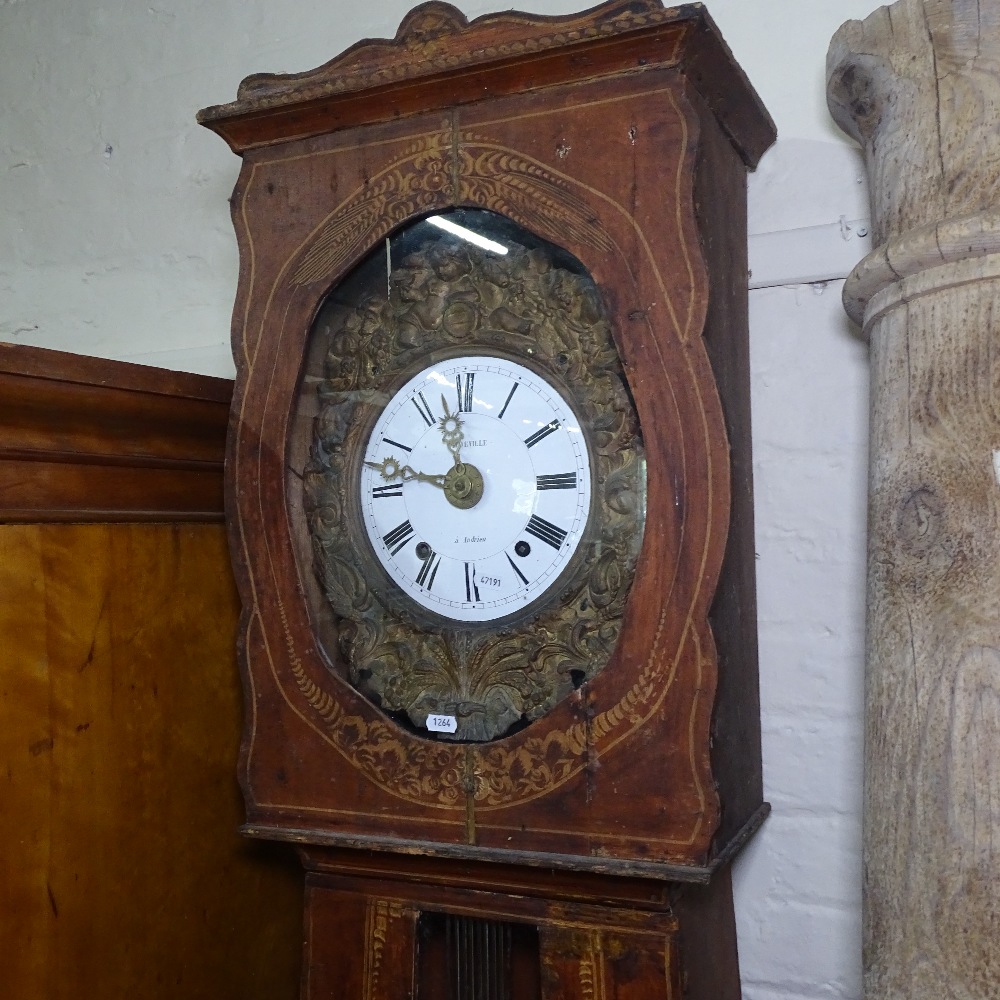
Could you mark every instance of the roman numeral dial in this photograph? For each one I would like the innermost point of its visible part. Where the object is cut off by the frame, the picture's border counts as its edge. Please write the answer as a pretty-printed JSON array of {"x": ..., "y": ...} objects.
[
  {"x": 394, "y": 540},
  {"x": 545, "y": 531},
  {"x": 542, "y": 433},
  {"x": 560, "y": 481},
  {"x": 510, "y": 548},
  {"x": 463, "y": 388},
  {"x": 428, "y": 572},
  {"x": 426, "y": 413}
]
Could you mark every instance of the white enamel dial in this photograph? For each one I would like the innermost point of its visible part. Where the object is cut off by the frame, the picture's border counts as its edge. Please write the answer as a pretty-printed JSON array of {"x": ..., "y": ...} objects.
[{"x": 465, "y": 556}]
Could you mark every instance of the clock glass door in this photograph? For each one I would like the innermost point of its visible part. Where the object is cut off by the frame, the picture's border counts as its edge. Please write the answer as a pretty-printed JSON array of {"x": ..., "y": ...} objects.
[{"x": 468, "y": 475}]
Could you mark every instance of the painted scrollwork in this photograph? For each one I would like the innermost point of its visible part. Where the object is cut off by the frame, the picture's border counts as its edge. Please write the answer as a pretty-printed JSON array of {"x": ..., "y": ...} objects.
[{"x": 454, "y": 298}]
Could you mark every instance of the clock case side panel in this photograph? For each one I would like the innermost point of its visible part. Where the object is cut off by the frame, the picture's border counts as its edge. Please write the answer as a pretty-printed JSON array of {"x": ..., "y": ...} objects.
[
  {"x": 720, "y": 206},
  {"x": 242, "y": 480},
  {"x": 238, "y": 550}
]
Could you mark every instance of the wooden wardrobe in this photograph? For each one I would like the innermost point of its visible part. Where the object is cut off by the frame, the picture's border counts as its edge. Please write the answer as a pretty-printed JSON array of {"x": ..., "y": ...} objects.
[{"x": 122, "y": 871}]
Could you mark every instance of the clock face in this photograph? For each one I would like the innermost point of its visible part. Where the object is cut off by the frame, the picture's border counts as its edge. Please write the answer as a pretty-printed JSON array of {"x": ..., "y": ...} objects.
[{"x": 475, "y": 488}]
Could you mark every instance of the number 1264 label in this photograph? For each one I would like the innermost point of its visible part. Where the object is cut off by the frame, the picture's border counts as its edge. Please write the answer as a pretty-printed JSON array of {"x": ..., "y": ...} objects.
[{"x": 441, "y": 723}]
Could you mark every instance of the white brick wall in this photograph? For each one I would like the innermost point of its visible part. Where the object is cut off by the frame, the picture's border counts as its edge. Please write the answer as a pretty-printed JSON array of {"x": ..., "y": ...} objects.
[
  {"x": 798, "y": 885},
  {"x": 115, "y": 240}
]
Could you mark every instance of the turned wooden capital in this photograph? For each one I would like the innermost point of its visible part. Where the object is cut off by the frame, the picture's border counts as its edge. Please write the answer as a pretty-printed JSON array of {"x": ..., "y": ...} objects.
[{"x": 918, "y": 85}]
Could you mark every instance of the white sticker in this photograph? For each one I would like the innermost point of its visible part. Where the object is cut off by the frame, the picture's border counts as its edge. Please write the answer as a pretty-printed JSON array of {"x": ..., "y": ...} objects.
[{"x": 441, "y": 723}]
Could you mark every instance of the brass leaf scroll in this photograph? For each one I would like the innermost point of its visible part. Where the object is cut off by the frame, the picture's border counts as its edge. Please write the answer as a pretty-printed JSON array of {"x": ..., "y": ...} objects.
[{"x": 455, "y": 298}]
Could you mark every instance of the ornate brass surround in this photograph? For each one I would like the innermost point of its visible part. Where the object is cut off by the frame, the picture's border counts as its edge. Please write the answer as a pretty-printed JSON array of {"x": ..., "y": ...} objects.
[{"x": 446, "y": 300}]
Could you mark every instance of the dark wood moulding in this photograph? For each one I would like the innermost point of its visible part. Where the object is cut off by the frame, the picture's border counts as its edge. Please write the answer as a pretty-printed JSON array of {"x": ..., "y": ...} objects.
[
  {"x": 85, "y": 439},
  {"x": 120, "y": 707}
]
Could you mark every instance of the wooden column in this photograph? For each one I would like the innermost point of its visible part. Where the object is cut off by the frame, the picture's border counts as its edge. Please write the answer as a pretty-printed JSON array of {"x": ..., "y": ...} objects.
[{"x": 917, "y": 85}]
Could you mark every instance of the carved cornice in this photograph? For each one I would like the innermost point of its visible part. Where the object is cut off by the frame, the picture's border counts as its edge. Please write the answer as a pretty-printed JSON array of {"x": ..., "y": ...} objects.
[
  {"x": 439, "y": 59},
  {"x": 437, "y": 37}
]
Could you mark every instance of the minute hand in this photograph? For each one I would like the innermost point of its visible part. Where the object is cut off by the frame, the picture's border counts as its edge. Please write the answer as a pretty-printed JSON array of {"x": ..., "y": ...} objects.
[{"x": 451, "y": 432}]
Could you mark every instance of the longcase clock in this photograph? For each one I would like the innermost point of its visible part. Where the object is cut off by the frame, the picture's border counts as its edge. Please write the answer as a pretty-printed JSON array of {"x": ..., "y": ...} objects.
[{"x": 490, "y": 504}]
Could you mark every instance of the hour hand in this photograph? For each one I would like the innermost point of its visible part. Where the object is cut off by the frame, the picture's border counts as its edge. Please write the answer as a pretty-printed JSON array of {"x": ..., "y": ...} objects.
[{"x": 390, "y": 469}]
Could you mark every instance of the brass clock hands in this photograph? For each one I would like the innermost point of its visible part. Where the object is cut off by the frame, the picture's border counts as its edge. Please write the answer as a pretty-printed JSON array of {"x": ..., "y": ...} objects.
[
  {"x": 462, "y": 484},
  {"x": 390, "y": 469},
  {"x": 451, "y": 431}
]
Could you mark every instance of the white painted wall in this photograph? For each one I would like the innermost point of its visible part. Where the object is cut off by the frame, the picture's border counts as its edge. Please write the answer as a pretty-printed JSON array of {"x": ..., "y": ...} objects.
[{"x": 115, "y": 241}]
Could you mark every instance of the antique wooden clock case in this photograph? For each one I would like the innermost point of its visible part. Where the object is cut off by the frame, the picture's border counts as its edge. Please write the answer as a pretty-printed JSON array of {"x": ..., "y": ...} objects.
[{"x": 581, "y": 848}]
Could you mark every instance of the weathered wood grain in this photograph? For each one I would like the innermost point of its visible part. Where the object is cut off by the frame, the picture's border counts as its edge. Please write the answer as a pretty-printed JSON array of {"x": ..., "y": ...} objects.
[{"x": 918, "y": 84}]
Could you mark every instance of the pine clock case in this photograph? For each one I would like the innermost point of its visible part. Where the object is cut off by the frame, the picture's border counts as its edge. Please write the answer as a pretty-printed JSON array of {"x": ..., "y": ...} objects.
[{"x": 622, "y": 135}]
